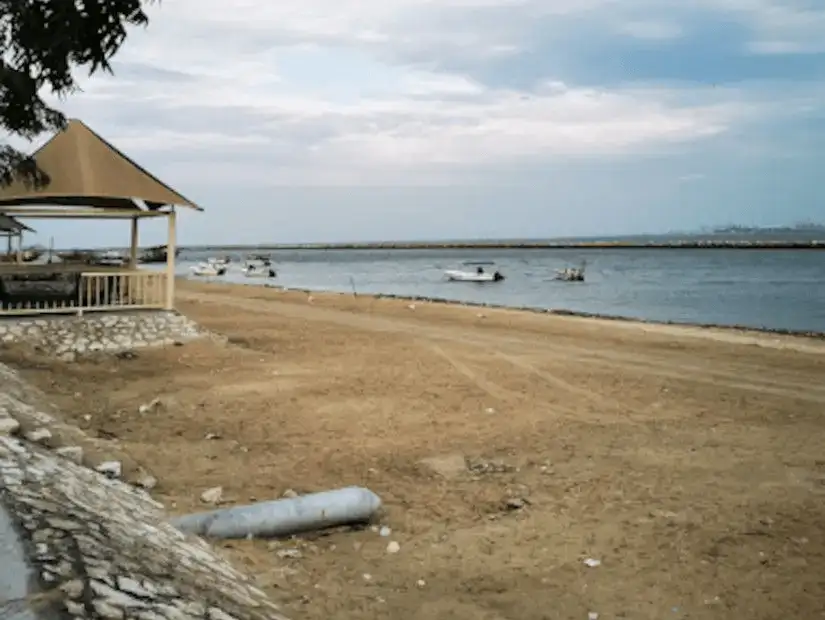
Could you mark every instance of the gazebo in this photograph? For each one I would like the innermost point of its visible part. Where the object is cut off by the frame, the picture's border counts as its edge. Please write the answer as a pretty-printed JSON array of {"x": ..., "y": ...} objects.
[
  {"x": 89, "y": 179},
  {"x": 13, "y": 230}
]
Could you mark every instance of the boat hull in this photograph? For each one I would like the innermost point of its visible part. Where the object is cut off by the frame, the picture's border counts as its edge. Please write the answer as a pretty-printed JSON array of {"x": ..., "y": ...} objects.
[{"x": 469, "y": 276}]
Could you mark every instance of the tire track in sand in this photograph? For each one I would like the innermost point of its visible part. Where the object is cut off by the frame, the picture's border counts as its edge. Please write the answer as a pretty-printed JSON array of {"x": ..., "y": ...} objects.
[
  {"x": 491, "y": 388},
  {"x": 669, "y": 368}
]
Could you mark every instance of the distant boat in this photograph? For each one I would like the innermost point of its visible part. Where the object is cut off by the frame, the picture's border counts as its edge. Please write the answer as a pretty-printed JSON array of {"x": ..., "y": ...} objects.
[
  {"x": 109, "y": 259},
  {"x": 206, "y": 270},
  {"x": 473, "y": 276},
  {"x": 156, "y": 254},
  {"x": 77, "y": 256},
  {"x": 478, "y": 262},
  {"x": 219, "y": 262},
  {"x": 571, "y": 274},
  {"x": 259, "y": 268}
]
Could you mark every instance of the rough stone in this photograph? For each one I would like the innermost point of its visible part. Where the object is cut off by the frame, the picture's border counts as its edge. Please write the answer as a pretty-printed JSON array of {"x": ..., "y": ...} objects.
[
  {"x": 68, "y": 336},
  {"x": 107, "y": 611},
  {"x": 76, "y": 609},
  {"x": 147, "y": 482},
  {"x": 39, "y": 435},
  {"x": 212, "y": 496},
  {"x": 104, "y": 547},
  {"x": 74, "y": 588},
  {"x": 110, "y": 469},
  {"x": 8, "y": 425},
  {"x": 72, "y": 453}
]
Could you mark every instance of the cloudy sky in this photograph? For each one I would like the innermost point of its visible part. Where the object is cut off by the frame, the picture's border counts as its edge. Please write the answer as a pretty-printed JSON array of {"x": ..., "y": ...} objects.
[{"x": 335, "y": 120}]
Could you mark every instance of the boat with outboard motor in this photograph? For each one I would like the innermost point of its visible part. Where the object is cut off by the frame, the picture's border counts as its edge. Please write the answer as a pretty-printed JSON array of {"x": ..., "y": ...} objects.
[
  {"x": 259, "y": 268},
  {"x": 208, "y": 270},
  {"x": 479, "y": 275},
  {"x": 571, "y": 274}
]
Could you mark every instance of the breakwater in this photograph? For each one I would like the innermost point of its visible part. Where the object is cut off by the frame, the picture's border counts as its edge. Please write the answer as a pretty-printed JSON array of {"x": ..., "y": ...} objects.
[{"x": 705, "y": 244}]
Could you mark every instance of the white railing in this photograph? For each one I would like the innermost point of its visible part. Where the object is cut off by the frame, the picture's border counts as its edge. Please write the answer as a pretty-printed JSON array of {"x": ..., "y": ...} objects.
[{"x": 94, "y": 291}]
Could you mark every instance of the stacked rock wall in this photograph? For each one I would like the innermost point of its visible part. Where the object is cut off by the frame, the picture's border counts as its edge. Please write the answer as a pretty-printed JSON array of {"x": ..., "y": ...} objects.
[
  {"x": 63, "y": 335},
  {"x": 100, "y": 547}
]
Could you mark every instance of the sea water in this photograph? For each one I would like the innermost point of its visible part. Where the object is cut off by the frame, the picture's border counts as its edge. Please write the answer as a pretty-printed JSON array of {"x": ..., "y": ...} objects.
[{"x": 773, "y": 289}]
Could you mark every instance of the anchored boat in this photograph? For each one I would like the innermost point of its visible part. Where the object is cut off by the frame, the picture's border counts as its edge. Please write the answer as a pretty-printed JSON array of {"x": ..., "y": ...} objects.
[
  {"x": 479, "y": 275},
  {"x": 259, "y": 268},
  {"x": 207, "y": 270},
  {"x": 571, "y": 274}
]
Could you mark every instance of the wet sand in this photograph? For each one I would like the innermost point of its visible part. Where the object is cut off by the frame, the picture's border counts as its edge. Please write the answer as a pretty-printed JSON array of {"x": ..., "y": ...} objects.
[{"x": 508, "y": 448}]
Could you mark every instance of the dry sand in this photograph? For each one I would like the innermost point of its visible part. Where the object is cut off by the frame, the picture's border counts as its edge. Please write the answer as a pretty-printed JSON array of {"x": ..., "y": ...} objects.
[{"x": 689, "y": 462}]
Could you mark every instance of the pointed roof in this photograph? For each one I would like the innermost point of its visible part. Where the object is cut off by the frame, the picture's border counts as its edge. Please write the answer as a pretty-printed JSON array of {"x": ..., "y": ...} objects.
[
  {"x": 11, "y": 226},
  {"x": 86, "y": 170}
]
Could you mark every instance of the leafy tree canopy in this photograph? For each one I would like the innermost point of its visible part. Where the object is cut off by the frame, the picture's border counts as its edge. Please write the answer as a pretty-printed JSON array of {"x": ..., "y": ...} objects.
[{"x": 41, "y": 43}]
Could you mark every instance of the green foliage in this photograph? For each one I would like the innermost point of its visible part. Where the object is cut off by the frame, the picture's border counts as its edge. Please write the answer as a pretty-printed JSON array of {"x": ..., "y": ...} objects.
[{"x": 42, "y": 42}]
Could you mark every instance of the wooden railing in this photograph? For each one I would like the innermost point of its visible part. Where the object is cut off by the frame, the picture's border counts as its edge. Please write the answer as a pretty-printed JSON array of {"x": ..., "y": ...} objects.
[{"x": 93, "y": 291}]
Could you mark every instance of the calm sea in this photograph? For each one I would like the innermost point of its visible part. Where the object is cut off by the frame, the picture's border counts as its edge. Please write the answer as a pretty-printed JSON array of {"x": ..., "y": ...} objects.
[{"x": 772, "y": 289}]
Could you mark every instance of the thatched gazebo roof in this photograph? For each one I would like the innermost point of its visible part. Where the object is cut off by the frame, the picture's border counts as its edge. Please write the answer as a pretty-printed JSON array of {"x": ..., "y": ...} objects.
[
  {"x": 11, "y": 226},
  {"x": 87, "y": 171}
]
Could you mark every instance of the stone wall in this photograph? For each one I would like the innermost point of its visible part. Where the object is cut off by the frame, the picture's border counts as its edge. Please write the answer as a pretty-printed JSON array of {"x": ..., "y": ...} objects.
[
  {"x": 66, "y": 336},
  {"x": 101, "y": 548}
]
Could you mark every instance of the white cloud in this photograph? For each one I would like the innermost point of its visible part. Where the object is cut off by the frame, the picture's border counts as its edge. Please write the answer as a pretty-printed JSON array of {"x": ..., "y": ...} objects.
[
  {"x": 654, "y": 30},
  {"x": 207, "y": 90}
]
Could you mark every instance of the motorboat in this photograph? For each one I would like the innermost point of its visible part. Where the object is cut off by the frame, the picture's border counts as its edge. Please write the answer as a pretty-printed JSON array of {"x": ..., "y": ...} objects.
[
  {"x": 479, "y": 275},
  {"x": 219, "y": 262},
  {"x": 157, "y": 254},
  {"x": 208, "y": 270},
  {"x": 110, "y": 259},
  {"x": 257, "y": 268},
  {"x": 570, "y": 274}
]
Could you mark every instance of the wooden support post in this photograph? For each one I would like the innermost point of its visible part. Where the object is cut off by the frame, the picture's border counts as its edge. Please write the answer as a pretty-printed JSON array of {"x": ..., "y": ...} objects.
[
  {"x": 133, "y": 248},
  {"x": 20, "y": 247},
  {"x": 171, "y": 245}
]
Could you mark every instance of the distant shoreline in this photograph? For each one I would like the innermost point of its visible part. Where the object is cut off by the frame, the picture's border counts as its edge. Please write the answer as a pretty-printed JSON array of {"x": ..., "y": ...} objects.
[{"x": 699, "y": 244}]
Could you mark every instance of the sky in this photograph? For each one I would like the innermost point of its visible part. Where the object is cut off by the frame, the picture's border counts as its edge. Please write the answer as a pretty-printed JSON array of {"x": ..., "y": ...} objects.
[{"x": 347, "y": 120}]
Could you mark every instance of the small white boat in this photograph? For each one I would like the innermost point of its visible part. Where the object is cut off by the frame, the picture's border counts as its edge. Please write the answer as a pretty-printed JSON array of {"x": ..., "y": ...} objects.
[
  {"x": 111, "y": 259},
  {"x": 219, "y": 262},
  {"x": 473, "y": 276},
  {"x": 206, "y": 270},
  {"x": 571, "y": 274},
  {"x": 259, "y": 269}
]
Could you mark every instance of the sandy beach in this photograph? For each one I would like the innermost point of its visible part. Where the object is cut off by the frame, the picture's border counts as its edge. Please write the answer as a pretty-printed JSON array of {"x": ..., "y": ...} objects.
[{"x": 508, "y": 448}]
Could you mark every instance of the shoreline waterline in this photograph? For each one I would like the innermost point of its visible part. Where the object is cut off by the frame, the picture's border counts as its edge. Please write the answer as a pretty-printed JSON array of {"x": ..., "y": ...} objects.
[{"x": 557, "y": 312}]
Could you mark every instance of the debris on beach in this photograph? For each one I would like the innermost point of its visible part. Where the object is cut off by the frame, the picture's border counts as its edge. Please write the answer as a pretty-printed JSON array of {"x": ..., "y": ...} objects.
[
  {"x": 212, "y": 496},
  {"x": 146, "y": 482},
  {"x": 150, "y": 406},
  {"x": 591, "y": 563},
  {"x": 480, "y": 466},
  {"x": 284, "y": 517},
  {"x": 393, "y": 547},
  {"x": 516, "y": 503},
  {"x": 290, "y": 554}
]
